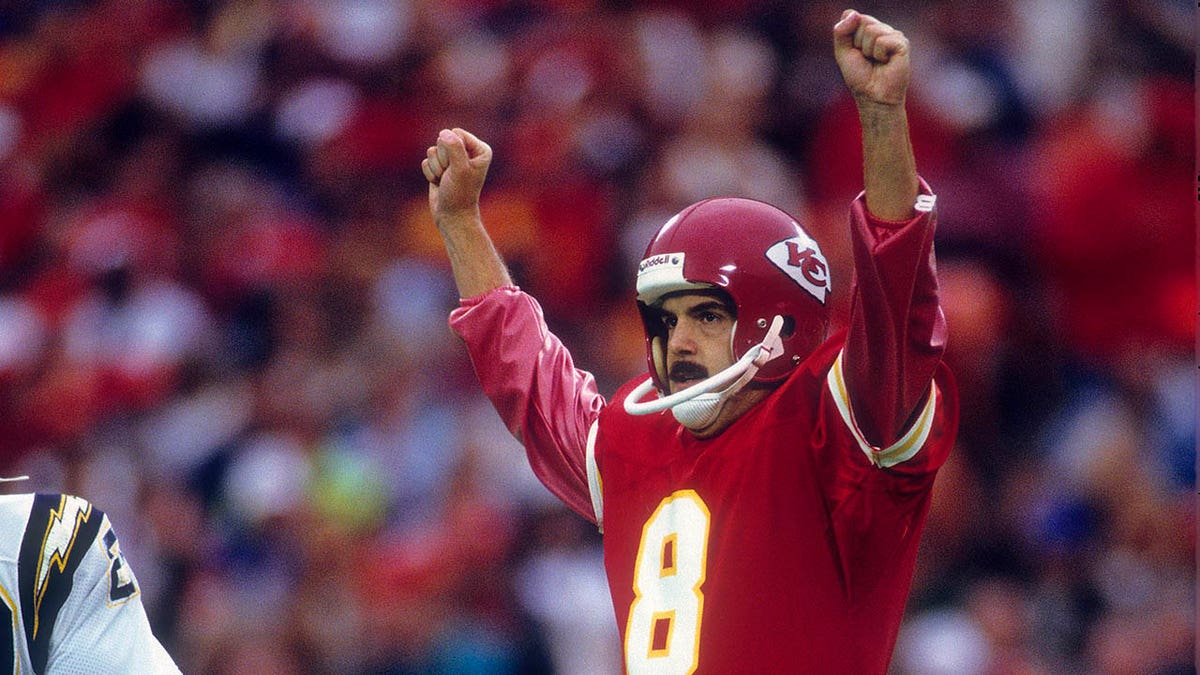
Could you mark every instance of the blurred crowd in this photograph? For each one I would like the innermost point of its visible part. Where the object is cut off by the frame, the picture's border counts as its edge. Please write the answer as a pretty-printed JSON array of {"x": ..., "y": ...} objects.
[{"x": 223, "y": 305}]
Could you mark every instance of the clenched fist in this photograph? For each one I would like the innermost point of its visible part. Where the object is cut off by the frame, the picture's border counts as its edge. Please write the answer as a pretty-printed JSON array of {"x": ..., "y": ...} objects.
[
  {"x": 873, "y": 58},
  {"x": 455, "y": 168}
]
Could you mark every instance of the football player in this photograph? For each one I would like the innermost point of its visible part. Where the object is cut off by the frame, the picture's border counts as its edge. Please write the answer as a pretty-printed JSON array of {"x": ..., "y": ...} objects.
[
  {"x": 762, "y": 489},
  {"x": 69, "y": 602}
]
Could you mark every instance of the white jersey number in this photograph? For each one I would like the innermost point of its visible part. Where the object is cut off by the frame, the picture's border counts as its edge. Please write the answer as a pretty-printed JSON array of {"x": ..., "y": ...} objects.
[{"x": 663, "y": 633}]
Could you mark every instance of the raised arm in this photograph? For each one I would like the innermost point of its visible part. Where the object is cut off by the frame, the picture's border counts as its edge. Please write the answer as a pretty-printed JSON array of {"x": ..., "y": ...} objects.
[
  {"x": 897, "y": 329},
  {"x": 874, "y": 61},
  {"x": 529, "y": 376},
  {"x": 456, "y": 168}
]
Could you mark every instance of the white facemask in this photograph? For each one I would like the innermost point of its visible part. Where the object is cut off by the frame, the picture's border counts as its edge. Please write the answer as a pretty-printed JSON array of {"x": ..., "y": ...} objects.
[{"x": 699, "y": 405}]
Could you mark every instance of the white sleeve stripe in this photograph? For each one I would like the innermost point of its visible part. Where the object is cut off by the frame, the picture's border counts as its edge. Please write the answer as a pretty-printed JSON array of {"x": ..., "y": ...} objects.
[
  {"x": 595, "y": 486},
  {"x": 903, "y": 449}
]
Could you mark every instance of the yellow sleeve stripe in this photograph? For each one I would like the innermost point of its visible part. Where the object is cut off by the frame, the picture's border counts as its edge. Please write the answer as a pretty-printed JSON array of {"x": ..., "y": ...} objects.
[
  {"x": 595, "y": 485},
  {"x": 903, "y": 449}
]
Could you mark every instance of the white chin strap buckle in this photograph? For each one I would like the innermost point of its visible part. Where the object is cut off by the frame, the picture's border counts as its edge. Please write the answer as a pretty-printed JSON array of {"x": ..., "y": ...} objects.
[{"x": 698, "y": 406}]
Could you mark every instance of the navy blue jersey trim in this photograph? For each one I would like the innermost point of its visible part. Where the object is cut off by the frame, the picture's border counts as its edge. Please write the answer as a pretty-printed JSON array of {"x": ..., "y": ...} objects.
[{"x": 41, "y": 603}]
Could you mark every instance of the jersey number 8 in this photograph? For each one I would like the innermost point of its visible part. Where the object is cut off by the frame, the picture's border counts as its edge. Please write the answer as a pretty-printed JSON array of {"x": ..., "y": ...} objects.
[{"x": 663, "y": 633}]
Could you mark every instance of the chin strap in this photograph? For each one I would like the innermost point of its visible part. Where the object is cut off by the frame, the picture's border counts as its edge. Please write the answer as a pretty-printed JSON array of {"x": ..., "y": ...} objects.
[{"x": 698, "y": 406}]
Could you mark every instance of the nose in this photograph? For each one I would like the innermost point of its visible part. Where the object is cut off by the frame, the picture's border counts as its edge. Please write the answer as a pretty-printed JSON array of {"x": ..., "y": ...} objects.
[{"x": 682, "y": 338}]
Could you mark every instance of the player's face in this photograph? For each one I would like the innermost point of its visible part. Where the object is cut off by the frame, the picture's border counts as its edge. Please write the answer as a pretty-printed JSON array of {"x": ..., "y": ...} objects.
[{"x": 699, "y": 344}]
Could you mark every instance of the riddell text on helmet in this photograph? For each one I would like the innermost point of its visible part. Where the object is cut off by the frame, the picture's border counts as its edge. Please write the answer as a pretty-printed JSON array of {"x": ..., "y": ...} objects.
[{"x": 655, "y": 261}]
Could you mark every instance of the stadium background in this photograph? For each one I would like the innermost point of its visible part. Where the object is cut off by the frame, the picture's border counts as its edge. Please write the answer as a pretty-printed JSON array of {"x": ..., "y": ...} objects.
[{"x": 222, "y": 305}]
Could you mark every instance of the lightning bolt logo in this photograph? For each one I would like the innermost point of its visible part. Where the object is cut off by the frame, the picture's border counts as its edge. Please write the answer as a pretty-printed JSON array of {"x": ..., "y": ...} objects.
[{"x": 61, "y": 532}]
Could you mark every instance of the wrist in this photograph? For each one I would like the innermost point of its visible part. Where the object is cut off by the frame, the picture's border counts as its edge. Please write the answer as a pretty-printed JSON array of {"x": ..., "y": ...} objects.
[
  {"x": 457, "y": 219},
  {"x": 869, "y": 108}
]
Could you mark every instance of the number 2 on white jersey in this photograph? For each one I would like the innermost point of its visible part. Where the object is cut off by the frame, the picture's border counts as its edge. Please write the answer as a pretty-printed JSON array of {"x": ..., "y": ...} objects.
[{"x": 663, "y": 632}]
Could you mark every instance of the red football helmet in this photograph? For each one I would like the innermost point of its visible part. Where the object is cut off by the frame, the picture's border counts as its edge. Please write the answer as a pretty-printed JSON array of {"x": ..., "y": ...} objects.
[{"x": 757, "y": 254}]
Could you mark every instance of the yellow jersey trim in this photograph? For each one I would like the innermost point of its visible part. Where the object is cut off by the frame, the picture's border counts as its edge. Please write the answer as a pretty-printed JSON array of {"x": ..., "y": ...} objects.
[{"x": 903, "y": 449}]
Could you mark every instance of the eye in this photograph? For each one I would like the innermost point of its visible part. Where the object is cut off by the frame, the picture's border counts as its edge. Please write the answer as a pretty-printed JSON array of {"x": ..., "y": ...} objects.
[
  {"x": 710, "y": 317},
  {"x": 669, "y": 320}
]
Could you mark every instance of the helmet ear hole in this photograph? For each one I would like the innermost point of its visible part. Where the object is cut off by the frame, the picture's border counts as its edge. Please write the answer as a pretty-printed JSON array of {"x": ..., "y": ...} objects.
[{"x": 789, "y": 327}]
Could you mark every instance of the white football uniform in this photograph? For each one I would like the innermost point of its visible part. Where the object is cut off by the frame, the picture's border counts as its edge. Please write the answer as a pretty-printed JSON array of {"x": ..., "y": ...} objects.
[{"x": 69, "y": 603}]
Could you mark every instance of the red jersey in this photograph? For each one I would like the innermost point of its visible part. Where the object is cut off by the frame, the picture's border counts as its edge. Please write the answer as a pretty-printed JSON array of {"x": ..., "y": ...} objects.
[
  {"x": 778, "y": 546},
  {"x": 786, "y": 543}
]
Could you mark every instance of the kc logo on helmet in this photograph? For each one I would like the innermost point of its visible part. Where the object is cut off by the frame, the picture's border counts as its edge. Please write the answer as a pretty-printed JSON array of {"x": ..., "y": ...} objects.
[{"x": 801, "y": 259}]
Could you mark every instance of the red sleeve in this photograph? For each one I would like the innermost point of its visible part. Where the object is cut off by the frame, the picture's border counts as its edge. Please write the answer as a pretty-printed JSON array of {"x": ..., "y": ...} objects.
[
  {"x": 897, "y": 330},
  {"x": 530, "y": 378}
]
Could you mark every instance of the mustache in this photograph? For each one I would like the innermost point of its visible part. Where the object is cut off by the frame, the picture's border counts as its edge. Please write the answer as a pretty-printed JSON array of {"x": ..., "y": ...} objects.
[{"x": 686, "y": 370}]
